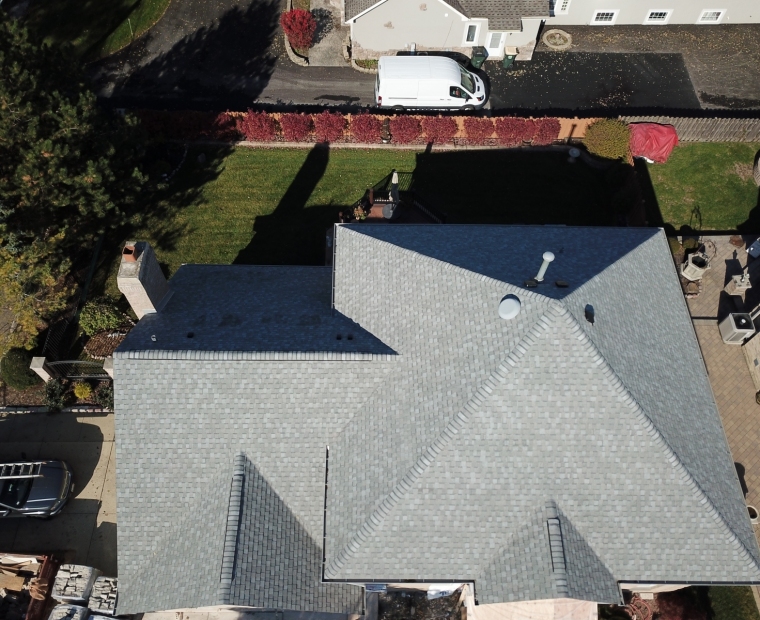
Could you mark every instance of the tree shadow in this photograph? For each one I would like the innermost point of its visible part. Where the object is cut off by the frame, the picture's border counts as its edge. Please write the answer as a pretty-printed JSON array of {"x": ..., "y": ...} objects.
[
  {"x": 155, "y": 219},
  {"x": 294, "y": 234},
  {"x": 325, "y": 25},
  {"x": 752, "y": 223},
  {"x": 231, "y": 58},
  {"x": 513, "y": 186}
]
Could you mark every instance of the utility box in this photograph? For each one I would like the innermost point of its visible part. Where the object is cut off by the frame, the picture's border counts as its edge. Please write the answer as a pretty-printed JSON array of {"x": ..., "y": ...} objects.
[
  {"x": 736, "y": 328},
  {"x": 479, "y": 55},
  {"x": 510, "y": 53}
]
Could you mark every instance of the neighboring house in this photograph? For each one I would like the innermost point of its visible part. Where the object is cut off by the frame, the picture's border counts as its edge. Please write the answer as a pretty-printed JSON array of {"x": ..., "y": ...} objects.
[
  {"x": 382, "y": 27},
  {"x": 287, "y": 434}
]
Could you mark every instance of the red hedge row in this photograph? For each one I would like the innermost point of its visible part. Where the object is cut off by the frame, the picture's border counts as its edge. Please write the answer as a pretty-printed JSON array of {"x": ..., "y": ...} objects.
[
  {"x": 328, "y": 126},
  {"x": 331, "y": 126},
  {"x": 405, "y": 129},
  {"x": 439, "y": 129},
  {"x": 366, "y": 128}
]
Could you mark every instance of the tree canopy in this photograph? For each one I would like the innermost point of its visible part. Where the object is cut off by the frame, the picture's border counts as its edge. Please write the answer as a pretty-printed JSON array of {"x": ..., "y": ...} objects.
[{"x": 68, "y": 172}]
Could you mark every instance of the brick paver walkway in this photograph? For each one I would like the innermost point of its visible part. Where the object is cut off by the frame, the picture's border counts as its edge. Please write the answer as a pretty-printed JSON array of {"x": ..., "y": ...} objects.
[{"x": 729, "y": 376}]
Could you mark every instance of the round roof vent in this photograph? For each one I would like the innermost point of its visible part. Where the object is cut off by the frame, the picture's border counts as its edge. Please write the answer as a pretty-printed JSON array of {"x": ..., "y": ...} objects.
[{"x": 509, "y": 307}]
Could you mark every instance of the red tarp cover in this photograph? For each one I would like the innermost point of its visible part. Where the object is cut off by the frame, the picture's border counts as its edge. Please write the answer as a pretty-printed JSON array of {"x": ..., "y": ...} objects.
[{"x": 653, "y": 141}]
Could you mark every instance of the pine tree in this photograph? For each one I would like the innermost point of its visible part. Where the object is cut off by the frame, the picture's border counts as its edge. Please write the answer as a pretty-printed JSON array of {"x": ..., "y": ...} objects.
[{"x": 68, "y": 172}]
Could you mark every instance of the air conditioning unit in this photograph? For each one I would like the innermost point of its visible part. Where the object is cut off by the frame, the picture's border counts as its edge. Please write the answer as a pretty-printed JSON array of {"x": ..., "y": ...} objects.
[
  {"x": 736, "y": 328},
  {"x": 695, "y": 266}
]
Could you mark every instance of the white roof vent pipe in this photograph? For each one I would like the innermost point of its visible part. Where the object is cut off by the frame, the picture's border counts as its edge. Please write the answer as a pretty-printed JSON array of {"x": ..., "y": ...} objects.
[
  {"x": 509, "y": 307},
  {"x": 548, "y": 258}
]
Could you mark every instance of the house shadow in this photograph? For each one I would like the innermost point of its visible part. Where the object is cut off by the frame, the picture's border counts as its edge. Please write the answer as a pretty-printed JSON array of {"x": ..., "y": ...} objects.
[
  {"x": 269, "y": 534},
  {"x": 515, "y": 186},
  {"x": 294, "y": 234},
  {"x": 227, "y": 64}
]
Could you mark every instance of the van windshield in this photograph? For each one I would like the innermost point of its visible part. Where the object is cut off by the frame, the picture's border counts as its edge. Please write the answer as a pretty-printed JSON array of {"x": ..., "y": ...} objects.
[{"x": 467, "y": 83}]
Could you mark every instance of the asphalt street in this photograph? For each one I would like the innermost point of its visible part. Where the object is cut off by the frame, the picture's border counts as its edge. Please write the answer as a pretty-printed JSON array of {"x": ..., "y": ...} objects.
[{"x": 572, "y": 82}]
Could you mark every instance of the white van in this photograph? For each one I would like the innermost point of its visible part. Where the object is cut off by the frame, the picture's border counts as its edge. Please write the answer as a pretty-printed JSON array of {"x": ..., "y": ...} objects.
[{"x": 426, "y": 82}]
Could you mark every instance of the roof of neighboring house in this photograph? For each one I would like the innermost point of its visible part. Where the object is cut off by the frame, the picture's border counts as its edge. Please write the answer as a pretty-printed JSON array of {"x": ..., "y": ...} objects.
[
  {"x": 542, "y": 457},
  {"x": 501, "y": 14}
]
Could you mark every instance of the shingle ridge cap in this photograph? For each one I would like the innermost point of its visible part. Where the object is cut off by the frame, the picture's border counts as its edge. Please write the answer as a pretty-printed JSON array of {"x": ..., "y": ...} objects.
[
  {"x": 448, "y": 266},
  {"x": 246, "y": 356},
  {"x": 649, "y": 426},
  {"x": 457, "y": 422},
  {"x": 234, "y": 510}
]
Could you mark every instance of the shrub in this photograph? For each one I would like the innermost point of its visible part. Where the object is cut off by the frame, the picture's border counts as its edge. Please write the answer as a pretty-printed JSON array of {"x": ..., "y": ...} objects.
[
  {"x": 223, "y": 127},
  {"x": 14, "y": 370},
  {"x": 405, "y": 129},
  {"x": 299, "y": 26},
  {"x": 295, "y": 127},
  {"x": 478, "y": 130},
  {"x": 675, "y": 245},
  {"x": 439, "y": 128},
  {"x": 180, "y": 125},
  {"x": 547, "y": 131},
  {"x": 82, "y": 390},
  {"x": 328, "y": 126},
  {"x": 257, "y": 126},
  {"x": 680, "y": 605},
  {"x": 366, "y": 128},
  {"x": 104, "y": 395},
  {"x": 510, "y": 131},
  {"x": 529, "y": 129},
  {"x": 100, "y": 315},
  {"x": 55, "y": 394},
  {"x": 608, "y": 138}
]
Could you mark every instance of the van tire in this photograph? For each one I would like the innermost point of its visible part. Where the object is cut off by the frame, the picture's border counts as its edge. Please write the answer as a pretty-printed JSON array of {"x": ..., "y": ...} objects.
[
  {"x": 468, "y": 108},
  {"x": 398, "y": 108}
]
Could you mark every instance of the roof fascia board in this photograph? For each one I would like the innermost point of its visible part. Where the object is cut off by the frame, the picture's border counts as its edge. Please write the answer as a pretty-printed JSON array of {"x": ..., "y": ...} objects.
[{"x": 365, "y": 11}]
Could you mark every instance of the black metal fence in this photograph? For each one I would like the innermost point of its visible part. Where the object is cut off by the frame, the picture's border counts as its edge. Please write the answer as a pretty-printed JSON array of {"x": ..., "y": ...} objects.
[{"x": 77, "y": 369}]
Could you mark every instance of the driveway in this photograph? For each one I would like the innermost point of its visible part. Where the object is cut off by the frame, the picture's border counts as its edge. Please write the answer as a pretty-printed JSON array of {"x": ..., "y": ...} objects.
[{"x": 85, "y": 531}]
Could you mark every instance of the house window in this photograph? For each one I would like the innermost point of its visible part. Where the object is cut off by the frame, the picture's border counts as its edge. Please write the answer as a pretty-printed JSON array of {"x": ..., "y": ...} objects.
[
  {"x": 604, "y": 18},
  {"x": 472, "y": 31},
  {"x": 711, "y": 16},
  {"x": 494, "y": 41},
  {"x": 560, "y": 7},
  {"x": 658, "y": 16}
]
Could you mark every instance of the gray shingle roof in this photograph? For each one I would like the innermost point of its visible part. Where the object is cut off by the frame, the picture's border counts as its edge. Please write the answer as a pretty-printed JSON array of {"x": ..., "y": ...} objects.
[
  {"x": 440, "y": 418},
  {"x": 501, "y": 14},
  {"x": 552, "y": 409}
]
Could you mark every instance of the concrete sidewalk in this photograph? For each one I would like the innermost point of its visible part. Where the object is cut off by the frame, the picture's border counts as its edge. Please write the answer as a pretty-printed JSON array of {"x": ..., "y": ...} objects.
[
  {"x": 723, "y": 61},
  {"x": 85, "y": 532}
]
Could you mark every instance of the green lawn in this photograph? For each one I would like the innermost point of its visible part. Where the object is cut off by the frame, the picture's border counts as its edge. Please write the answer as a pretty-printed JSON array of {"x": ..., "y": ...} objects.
[
  {"x": 709, "y": 184},
  {"x": 259, "y": 206},
  {"x": 733, "y": 603},
  {"x": 94, "y": 28}
]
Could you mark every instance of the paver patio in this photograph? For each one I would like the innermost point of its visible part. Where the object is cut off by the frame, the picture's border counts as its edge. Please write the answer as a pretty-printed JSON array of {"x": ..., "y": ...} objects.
[{"x": 727, "y": 368}]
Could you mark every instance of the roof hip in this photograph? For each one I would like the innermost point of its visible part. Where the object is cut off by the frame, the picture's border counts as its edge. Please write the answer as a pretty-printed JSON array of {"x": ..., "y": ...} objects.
[
  {"x": 443, "y": 439},
  {"x": 649, "y": 426}
]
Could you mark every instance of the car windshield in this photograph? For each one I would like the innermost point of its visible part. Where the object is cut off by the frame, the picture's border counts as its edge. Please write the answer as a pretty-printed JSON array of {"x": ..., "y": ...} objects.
[
  {"x": 14, "y": 492},
  {"x": 467, "y": 82}
]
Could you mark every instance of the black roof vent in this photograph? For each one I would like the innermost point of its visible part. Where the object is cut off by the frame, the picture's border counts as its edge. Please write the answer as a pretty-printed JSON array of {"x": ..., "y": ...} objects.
[{"x": 561, "y": 284}]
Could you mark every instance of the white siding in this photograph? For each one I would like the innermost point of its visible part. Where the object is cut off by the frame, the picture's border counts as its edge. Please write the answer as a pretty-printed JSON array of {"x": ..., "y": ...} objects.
[{"x": 581, "y": 12}]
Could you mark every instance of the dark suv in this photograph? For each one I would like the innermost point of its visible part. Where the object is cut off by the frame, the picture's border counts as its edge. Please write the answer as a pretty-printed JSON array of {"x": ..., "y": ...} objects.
[{"x": 34, "y": 488}]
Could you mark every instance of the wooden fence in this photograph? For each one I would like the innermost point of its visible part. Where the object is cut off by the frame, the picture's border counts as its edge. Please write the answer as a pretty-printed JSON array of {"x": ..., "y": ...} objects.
[{"x": 707, "y": 129}]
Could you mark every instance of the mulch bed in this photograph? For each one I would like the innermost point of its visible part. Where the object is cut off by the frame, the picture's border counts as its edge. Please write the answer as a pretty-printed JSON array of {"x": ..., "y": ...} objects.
[
  {"x": 102, "y": 345},
  {"x": 31, "y": 397},
  {"x": 413, "y": 605}
]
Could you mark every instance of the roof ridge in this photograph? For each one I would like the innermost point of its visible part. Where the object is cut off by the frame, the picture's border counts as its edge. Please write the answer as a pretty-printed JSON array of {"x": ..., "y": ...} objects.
[
  {"x": 449, "y": 267},
  {"x": 247, "y": 356},
  {"x": 234, "y": 510},
  {"x": 445, "y": 436},
  {"x": 649, "y": 426}
]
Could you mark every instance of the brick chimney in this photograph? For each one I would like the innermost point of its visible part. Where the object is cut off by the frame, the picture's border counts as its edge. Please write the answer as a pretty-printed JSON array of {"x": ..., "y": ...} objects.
[{"x": 141, "y": 279}]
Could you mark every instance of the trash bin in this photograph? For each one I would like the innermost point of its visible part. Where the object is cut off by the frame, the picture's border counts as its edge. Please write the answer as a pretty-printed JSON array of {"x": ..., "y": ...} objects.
[
  {"x": 479, "y": 55},
  {"x": 510, "y": 53}
]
